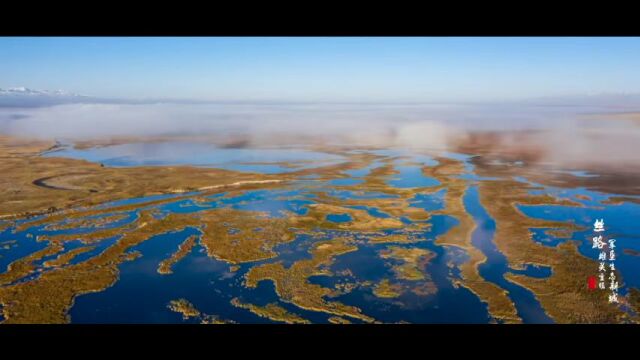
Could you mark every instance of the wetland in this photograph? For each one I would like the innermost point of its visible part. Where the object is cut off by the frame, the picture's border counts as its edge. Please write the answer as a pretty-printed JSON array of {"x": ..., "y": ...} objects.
[{"x": 172, "y": 231}]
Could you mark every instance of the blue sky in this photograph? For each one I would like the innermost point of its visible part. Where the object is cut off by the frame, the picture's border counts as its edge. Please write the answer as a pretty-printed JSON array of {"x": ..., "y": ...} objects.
[{"x": 324, "y": 69}]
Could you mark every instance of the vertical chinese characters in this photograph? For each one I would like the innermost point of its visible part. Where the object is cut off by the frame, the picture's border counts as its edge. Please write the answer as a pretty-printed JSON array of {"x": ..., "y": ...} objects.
[{"x": 607, "y": 251}]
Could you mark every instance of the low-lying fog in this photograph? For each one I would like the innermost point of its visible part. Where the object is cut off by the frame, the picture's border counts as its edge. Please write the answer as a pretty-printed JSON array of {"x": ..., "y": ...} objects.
[{"x": 575, "y": 130}]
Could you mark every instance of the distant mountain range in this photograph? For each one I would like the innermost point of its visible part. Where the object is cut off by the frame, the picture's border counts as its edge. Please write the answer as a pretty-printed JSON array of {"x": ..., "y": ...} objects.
[
  {"x": 23, "y": 97},
  {"x": 23, "y": 91},
  {"x": 26, "y": 97}
]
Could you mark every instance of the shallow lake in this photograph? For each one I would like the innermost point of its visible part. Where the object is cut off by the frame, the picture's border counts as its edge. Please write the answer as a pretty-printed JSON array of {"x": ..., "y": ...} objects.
[
  {"x": 262, "y": 160},
  {"x": 141, "y": 294}
]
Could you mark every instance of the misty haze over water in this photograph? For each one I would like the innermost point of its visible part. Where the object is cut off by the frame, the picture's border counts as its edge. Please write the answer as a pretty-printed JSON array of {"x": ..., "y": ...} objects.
[{"x": 580, "y": 121}]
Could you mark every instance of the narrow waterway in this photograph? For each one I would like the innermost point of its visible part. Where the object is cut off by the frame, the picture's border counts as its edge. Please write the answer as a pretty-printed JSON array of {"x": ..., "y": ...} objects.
[{"x": 493, "y": 270}]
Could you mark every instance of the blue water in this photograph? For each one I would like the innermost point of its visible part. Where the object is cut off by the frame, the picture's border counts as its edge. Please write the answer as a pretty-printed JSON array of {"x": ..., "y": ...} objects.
[
  {"x": 67, "y": 246},
  {"x": 298, "y": 249},
  {"x": 201, "y": 154},
  {"x": 449, "y": 305},
  {"x": 141, "y": 295},
  {"x": 129, "y": 217},
  {"x": 617, "y": 226},
  {"x": 141, "y": 200},
  {"x": 573, "y": 195},
  {"x": 26, "y": 242},
  {"x": 276, "y": 203},
  {"x": 410, "y": 177},
  {"x": 542, "y": 238},
  {"x": 97, "y": 250},
  {"x": 360, "y": 195},
  {"x": 362, "y": 171},
  {"x": 23, "y": 246},
  {"x": 429, "y": 202},
  {"x": 373, "y": 211},
  {"x": 406, "y": 155},
  {"x": 578, "y": 173},
  {"x": 339, "y": 218},
  {"x": 346, "y": 182},
  {"x": 527, "y": 306},
  {"x": 532, "y": 270}
]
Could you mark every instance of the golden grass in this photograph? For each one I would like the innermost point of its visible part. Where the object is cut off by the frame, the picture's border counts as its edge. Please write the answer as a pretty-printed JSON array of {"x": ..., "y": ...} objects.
[
  {"x": 271, "y": 311},
  {"x": 184, "y": 307},
  {"x": 239, "y": 236},
  {"x": 292, "y": 283},
  {"x": 384, "y": 289},
  {"x": 413, "y": 261},
  {"x": 89, "y": 183},
  {"x": 183, "y": 249},
  {"x": 498, "y": 303},
  {"x": 564, "y": 295},
  {"x": 338, "y": 320},
  {"x": 47, "y": 298}
]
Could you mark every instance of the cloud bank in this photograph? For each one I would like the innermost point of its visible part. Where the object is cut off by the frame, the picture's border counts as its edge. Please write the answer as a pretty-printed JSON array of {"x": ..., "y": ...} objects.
[{"x": 568, "y": 137}]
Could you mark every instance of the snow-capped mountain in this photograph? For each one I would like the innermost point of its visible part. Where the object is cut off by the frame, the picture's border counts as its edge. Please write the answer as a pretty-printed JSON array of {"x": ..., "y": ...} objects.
[
  {"x": 26, "y": 97},
  {"x": 24, "y": 91},
  {"x": 20, "y": 97}
]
